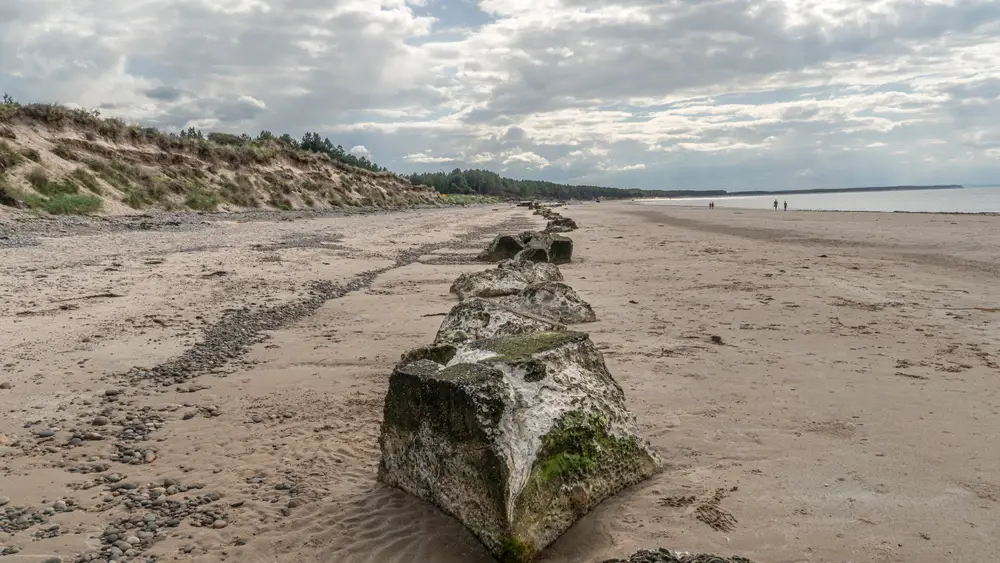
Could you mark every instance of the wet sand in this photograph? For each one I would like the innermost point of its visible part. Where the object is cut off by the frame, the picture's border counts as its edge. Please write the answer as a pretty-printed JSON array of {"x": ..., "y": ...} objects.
[{"x": 846, "y": 411}]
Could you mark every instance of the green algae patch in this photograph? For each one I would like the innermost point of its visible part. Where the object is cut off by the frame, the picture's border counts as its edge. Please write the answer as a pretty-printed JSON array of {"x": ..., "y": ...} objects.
[
  {"x": 575, "y": 446},
  {"x": 524, "y": 346},
  {"x": 513, "y": 550}
]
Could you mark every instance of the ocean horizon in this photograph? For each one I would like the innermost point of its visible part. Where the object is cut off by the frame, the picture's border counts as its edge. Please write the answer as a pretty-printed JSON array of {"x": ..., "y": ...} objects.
[{"x": 980, "y": 199}]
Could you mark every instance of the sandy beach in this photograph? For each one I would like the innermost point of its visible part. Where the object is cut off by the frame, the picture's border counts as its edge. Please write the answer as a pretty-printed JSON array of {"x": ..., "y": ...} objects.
[{"x": 823, "y": 386}]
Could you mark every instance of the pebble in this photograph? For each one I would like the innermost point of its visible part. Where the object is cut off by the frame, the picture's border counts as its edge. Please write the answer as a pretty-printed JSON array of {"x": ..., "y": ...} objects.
[
  {"x": 5, "y": 385},
  {"x": 219, "y": 524},
  {"x": 100, "y": 421},
  {"x": 112, "y": 392},
  {"x": 45, "y": 433},
  {"x": 4, "y": 500}
]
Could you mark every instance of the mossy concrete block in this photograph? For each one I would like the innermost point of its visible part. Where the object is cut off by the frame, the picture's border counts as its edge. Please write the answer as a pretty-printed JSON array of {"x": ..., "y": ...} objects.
[
  {"x": 476, "y": 319},
  {"x": 553, "y": 300},
  {"x": 508, "y": 278},
  {"x": 516, "y": 437}
]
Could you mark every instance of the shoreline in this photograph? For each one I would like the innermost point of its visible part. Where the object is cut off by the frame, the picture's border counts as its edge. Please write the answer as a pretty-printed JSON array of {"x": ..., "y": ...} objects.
[{"x": 985, "y": 213}]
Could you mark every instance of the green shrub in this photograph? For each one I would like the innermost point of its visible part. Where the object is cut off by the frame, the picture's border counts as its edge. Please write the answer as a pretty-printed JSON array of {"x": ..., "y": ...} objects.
[
  {"x": 39, "y": 180},
  {"x": 134, "y": 199},
  {"x": 88, "y": 180},
  {"x": 32, "y": 155},
  {"x": 280, "y": 201},
  {"x": 8, "y": 157},
  {"x": 64, "y": 152},
  {"x": 72, "y": 204},
  {"x": 240, "y": 192},
  {"x": 199, "y": 200},
  {"x": 110, "y": 174}
]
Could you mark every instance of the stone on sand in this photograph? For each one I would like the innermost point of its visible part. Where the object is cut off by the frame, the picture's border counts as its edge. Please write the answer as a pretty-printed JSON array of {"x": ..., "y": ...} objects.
[
  {"x": 476, "y": 319},
  {"x": 552, "y": 300},
  {"x": 516, "y": 437},
  {"x": 560, "y": 224},
  {"x": 508, "y": 278}
]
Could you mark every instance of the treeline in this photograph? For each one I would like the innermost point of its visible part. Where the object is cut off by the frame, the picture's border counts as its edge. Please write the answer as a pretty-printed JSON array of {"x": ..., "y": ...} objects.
[
  {"x": 484, "y": 182},
  {"x": 309, "y": 142}
]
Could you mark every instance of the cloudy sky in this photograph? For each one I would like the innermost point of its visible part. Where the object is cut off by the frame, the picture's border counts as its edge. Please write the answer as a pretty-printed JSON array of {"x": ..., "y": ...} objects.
[{"x": 731, "y": 94}]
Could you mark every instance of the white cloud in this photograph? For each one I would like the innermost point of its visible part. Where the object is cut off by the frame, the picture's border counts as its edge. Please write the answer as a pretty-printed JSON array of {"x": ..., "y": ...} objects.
[
  {"x": 360, "y": 150},
  {"x": 425, "y": 158},
  {"x": 529, "y": 159}
]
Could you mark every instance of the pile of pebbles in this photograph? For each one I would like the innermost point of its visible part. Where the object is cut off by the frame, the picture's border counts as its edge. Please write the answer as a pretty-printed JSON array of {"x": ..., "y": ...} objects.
[
  {"x": 153, "y": 511},
  {"x": 666, "y": 556}
]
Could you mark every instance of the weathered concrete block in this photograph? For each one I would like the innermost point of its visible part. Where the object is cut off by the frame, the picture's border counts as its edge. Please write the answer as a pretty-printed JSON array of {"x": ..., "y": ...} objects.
[
  {"x": 545, "y": 247},
  {"x": 516, "y": 437},
  {"x": 509, "y": 278},
  {"x": 561, "y": 225},
  {"x": 503, "y": 247},
  {"x": 478, "y": 319},
  {"x": 529, "y": 246},
  {"x": 553, "y": 300}
]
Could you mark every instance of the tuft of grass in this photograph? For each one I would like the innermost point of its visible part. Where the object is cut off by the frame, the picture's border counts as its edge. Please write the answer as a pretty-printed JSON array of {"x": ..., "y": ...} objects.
[
  {"x": 64, "y": 152},
  {"x": 87, "y": 180},
  {"x": 134, "y": 199},
  {"x": 57, "y": 204},
  {"x": 8, "y": 157},
  {"x": 241, "y": 192},
  {"x": 200, "y": 200},
  {"x": 39, "y": 180},
  {"x": 109, "y": 174},
  {"x": 72, "y": 204},
  {"x": 280, "y": 201},
  {"x": 32, "y": 155}
]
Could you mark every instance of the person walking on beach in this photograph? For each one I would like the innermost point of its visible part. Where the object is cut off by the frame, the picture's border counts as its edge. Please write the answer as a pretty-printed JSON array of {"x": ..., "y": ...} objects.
[
  {"x": 786, "y": 206},
  {"x": 775, "y": 205}
]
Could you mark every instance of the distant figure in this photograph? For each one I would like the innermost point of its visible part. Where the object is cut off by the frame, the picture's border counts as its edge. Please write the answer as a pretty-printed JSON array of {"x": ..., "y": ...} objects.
[
  {"x": 711, "y": 205},
  {"x": 786, "y": 206},
  {"x": 775, "y": 205}
]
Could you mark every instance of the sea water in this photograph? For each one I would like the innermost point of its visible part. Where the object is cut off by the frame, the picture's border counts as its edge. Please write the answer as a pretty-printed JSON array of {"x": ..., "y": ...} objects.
[{"x": 965, "y": 200}]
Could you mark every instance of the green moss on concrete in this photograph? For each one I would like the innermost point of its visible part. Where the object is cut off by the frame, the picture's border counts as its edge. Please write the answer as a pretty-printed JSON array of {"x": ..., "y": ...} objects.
[
  {"x": 524, "y": 346},
  {"x": 513, "y": 550},
  {"x": 574, "y": 446}
]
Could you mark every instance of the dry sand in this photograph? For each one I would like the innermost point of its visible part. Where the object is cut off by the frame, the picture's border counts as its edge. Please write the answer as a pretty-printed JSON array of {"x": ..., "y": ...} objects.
[{"x": 846, "y": 412}]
